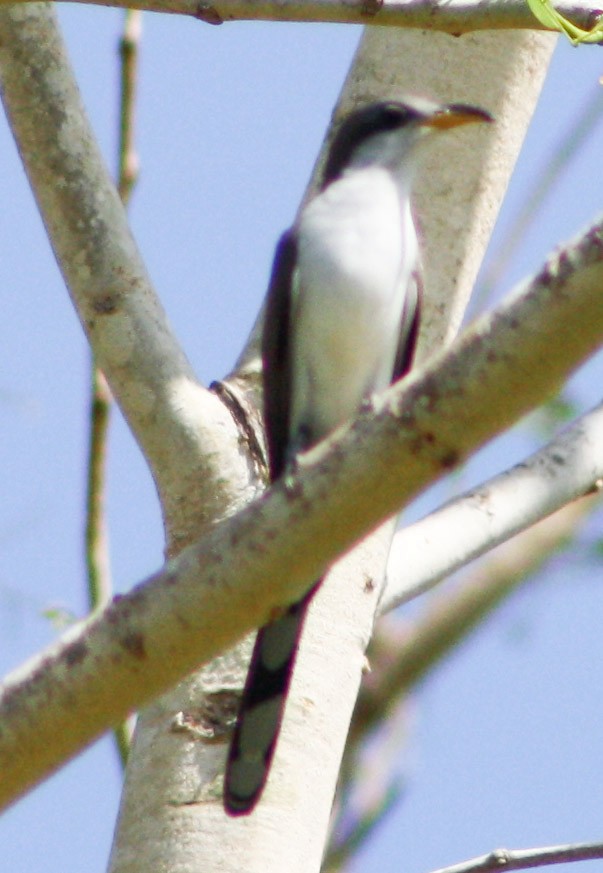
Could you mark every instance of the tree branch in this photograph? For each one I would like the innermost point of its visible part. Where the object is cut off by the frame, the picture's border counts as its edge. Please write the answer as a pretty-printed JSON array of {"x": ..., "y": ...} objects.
[
  {"x": 455, "y": 17},
  {"x": 98, "y": 569},
  {"x": 524, "y": 859},
  {"x": 226, "y": 584},
  {"x": 468, "y": 526},
  {"x": 185, "y": 432},
  {"x": 129, "y": 45},
  {"x": 82, "y": 211}
]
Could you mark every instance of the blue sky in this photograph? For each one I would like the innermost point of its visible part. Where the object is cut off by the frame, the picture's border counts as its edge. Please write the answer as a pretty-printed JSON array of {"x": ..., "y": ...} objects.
[{"x": 505, "y": 748}]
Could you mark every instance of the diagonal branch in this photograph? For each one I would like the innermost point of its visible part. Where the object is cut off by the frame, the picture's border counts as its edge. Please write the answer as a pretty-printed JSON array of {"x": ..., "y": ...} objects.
[
  {"x": 186, "y": 433},
  {"x": 423, "y": 553},
  {"x": 82, "y": 211},
  {"x": 227, "y": 583},
  {"x": 170, "y": 414}
]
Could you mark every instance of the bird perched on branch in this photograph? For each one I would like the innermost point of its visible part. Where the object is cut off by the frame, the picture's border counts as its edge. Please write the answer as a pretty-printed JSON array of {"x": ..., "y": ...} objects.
[{"x": 341, "y": 323}]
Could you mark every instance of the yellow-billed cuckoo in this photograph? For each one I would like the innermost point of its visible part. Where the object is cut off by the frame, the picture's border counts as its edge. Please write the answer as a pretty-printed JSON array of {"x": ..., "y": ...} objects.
[{"x": 341, "y": 323}]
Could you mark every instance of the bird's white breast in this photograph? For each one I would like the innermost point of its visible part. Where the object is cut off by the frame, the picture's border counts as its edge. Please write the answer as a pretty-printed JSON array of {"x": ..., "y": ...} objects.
[{"x": 357, "y": 250}]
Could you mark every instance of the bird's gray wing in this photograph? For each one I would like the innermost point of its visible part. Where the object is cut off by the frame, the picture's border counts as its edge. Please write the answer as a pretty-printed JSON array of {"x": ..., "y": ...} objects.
[
  {"x": 409, "y": 326},
  {"x": 276, "y": 339}
]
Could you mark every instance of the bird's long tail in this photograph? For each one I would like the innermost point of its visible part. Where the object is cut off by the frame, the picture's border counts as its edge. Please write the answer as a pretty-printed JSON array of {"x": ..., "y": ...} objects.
[{"x": 262, "y": 705}]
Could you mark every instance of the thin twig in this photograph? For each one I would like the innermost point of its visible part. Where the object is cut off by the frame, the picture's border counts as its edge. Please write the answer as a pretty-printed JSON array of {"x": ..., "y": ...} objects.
[
  {"x": 97, "y": 547},
  {"x": 96, "y": 538},
  {"x": 525, "y": 859},
  {"x": 128, "y": 51}
]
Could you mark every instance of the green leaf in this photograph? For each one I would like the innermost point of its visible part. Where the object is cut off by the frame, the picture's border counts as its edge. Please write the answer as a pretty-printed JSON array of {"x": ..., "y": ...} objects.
[{"x": 546, "y": 13}]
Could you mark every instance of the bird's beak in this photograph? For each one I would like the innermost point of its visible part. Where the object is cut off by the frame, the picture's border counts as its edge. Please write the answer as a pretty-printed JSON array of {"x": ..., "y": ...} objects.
[{"x": 456, "y": 114}]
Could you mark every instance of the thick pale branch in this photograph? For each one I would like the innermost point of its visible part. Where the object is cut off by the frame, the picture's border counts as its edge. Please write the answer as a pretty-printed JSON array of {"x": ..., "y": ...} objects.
[
  {"x": 454, "y": 17},
  {"x": 470, "y": 525},
  {"x": 226, "y": 584},
  {"x": 109, "y": 286},
  {"x": 82, "y": 211}
]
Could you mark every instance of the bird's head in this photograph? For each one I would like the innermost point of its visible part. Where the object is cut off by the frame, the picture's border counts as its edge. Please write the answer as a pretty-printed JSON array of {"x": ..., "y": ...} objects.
[{"x": 387, "y": 133}]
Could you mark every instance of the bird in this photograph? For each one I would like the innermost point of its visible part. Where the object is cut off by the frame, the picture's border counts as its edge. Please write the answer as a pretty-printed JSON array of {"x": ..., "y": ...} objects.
[{"x": 340, "y": 323}]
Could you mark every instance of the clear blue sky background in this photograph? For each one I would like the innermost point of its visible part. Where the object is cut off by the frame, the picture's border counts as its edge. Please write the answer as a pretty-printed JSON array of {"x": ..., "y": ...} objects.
[{"x": 506, "y": 747}]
